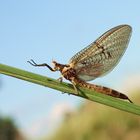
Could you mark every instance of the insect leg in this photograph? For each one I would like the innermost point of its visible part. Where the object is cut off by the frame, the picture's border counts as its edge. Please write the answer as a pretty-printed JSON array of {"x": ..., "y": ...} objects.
[
  {"x": 60, "y": 79},
  {"x": 33, "y": 63},
  {"x": 76, "y": 91},
  {"x": 74, "y": 85}
]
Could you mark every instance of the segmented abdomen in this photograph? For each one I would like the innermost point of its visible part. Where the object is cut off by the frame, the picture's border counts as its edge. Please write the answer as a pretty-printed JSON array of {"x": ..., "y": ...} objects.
[{"x": 101, "y": 89}]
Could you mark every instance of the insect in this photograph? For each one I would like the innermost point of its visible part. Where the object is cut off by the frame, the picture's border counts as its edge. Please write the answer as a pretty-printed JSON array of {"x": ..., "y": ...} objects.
[{"x": 96, "y": 60}]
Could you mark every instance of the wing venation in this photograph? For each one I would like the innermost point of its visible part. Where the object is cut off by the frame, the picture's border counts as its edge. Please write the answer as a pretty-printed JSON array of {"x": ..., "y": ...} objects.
[{"x": 101, "y": 56}]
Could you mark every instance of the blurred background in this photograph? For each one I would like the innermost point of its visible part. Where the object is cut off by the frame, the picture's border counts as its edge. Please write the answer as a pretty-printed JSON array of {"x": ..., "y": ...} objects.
[{"x": 48, "y": 30}]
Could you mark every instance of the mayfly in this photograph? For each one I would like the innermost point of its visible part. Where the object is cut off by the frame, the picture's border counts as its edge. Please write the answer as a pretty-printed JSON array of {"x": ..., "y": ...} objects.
[{"x": 96, "y": 60}]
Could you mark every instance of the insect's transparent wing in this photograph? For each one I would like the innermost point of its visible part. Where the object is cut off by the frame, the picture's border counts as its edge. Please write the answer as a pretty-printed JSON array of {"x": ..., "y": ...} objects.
[{"x": 102, "y": 56}]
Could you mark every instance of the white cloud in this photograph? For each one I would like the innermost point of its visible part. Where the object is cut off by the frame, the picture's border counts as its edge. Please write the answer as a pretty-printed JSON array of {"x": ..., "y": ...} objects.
[{"x": 46, "y": 124}]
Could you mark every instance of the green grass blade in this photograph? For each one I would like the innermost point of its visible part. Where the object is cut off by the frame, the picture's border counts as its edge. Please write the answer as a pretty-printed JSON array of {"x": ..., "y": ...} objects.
[{"x": 68, "y": 88}]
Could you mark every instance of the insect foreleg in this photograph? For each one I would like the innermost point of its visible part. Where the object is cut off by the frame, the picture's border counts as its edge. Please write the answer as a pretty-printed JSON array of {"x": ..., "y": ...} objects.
[{"x": 33, "y": 63}]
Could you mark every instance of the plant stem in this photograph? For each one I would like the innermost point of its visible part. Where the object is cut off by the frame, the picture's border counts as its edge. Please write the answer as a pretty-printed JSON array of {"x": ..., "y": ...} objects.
[{"x": 68, "y": 88}]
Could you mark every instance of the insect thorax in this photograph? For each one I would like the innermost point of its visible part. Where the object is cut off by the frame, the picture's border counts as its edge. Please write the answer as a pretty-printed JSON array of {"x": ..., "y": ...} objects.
[{"x": 67, "y": 71}]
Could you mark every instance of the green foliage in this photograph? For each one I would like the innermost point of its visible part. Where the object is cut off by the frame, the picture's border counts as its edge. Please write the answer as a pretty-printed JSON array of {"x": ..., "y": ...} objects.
[
  {"x": 8, "y": 130},
  {"x": 97, "y": 122}
]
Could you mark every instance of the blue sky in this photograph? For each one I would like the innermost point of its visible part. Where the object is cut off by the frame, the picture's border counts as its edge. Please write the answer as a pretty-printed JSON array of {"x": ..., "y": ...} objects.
[{"x": 46, "y": 30}]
